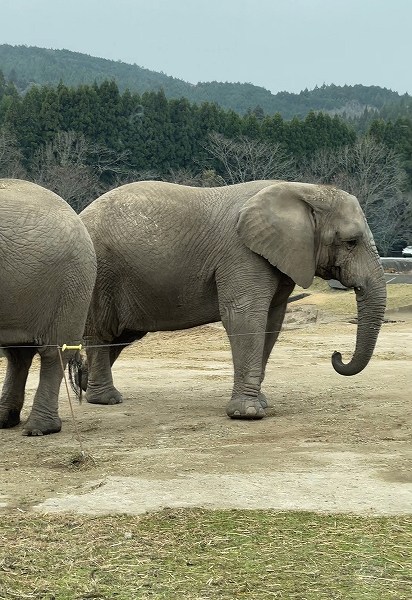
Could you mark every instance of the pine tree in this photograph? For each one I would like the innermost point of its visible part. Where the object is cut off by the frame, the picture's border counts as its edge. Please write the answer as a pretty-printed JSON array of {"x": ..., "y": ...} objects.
[
  {"x": 157, "y": 132},
  {"x": 49, "y": 115},
  {"x": 23, "y": 119},
  {"x": 182, "y": 133}
]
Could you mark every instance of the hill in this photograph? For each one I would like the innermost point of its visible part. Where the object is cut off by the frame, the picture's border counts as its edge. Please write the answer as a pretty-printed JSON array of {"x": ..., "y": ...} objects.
[{"x": 28, "y": 65}]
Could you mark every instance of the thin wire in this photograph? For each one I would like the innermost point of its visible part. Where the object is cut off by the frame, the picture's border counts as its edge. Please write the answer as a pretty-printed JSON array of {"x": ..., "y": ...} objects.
[
  {"x": 86, "y": 346},
  {"x": 27, "y": 346},
  {"x": 79, "y": 439}
]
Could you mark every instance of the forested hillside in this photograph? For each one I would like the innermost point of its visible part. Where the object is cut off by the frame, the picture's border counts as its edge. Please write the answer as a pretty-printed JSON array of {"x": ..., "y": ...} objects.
[
  {"x": 25, "y": 66},
  {"x": 83, "y": 140}
]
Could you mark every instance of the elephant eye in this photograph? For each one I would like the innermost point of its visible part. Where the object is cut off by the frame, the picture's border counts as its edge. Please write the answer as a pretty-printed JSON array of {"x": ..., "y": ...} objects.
[{"x": 351, "y": 243}]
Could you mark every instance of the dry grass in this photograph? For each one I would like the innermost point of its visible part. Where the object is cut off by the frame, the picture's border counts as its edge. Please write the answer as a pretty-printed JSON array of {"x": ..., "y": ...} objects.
[
  {"x": 343, "y": 302},
  {"x": 197, "y": 554}
]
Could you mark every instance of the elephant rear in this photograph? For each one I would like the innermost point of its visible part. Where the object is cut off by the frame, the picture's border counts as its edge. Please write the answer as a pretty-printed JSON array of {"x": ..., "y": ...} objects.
[
  {"x": 47, "y": 271},
  {"x": 48, "y": 266}
]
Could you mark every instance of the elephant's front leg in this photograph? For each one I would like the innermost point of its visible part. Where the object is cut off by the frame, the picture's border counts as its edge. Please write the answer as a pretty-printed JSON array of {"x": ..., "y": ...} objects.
[
  {"x": 246, "y": 331},
  {"x": 273, "y": 328},
  {"x": 44, "y": 417},
  {"x": 274, "y": 323},
  {"x": 12, "y": 396},
  {"x": 100, "y": 387}
]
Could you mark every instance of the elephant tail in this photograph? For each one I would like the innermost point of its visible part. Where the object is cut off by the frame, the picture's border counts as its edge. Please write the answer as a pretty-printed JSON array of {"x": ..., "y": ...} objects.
[{"x": 75, "y": 368}]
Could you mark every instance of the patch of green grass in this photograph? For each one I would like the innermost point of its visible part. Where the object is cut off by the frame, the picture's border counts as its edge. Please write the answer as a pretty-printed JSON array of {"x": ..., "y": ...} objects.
[{"x": 199, "y": 554}]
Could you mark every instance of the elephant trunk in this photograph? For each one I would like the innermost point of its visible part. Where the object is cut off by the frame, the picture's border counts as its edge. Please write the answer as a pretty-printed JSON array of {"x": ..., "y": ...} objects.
[{"x": 371, "y": 302}]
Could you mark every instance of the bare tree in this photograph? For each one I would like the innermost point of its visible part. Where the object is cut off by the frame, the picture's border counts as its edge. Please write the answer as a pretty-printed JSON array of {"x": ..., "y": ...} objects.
[
  {"x": 374, "y": 174},
  {"x": 207, "y": 178},
  {"x": 11, "y": 158},
  {"x": 74, "y": 167},
  {"x": 392, "y": 223},
  {"x": 245, "y": 159}
]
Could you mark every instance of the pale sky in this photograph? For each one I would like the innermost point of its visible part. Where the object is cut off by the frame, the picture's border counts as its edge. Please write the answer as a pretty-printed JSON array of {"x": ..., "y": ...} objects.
[{"x": 278, "y": 44}]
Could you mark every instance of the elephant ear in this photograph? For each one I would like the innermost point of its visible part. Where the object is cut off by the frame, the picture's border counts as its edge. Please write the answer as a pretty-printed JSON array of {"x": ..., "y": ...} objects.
[{"x": 277, "y": 223}]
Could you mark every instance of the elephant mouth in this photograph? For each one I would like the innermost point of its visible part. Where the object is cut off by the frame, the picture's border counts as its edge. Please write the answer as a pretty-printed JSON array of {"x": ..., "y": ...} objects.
[
  {"x": 330, "y": 273},
  {"x": 337, "y": 274}
]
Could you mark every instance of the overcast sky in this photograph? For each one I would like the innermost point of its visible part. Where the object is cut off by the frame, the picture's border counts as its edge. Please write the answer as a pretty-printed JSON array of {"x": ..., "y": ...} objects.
[{"x": 278, "y": 44}]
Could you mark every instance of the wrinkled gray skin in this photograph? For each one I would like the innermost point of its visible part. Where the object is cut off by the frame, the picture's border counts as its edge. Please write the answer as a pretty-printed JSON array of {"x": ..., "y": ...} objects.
[
  {"x": 47, "y": 271},
  {"x": 171, "y": 257}
]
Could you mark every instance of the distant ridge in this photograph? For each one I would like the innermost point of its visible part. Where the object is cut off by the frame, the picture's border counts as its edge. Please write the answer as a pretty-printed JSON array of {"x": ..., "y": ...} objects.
[{"x": 28, "y": 65}]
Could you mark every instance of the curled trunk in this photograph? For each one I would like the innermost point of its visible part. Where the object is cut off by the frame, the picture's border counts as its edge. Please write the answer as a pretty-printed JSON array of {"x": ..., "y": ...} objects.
[{"x": 371, "y": 302}]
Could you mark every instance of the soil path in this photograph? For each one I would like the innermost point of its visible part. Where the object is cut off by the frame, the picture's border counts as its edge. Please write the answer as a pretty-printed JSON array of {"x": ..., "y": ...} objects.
[{"x": 329, "y": 443}]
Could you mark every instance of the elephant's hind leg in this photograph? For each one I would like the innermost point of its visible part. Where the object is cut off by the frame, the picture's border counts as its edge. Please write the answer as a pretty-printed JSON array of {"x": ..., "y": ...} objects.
[
  {"x": 100, "y": 386},
  {"x": 12, "y": 396},
  {"x": 44, "y": 417}
]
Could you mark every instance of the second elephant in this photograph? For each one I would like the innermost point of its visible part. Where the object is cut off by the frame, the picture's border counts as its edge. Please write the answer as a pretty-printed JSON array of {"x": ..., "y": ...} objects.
[
  {"x": 172, "y": 257},
  {"x": 47, "y": 274}
]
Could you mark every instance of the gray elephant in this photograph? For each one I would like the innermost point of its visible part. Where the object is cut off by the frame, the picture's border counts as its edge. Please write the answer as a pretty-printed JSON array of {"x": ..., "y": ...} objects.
[
  {"x": 171, "y": 257},
  {"x": 48, "y": 270}
]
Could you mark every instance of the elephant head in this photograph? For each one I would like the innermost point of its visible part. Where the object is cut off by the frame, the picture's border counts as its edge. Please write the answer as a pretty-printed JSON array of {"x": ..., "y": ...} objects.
[{"x": 306, "y": 230}]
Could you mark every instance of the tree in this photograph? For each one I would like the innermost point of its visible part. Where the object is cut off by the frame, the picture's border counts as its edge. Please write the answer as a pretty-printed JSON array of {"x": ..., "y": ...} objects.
[
  {"x": 274, "y": 129},
  {"x": 74, "y": 167},
  {"x": 397, "y": 136},
  {"x": 207, "y": 178},
  {"x": 49, "y": 116},
  {"x": 244, "y": 159},
  {"x": 8, "y": 97},
  {"x": 156, "y": 132},
  {"x": 373, "y": 173},
  {"x": 182, "y": 132},
  {"x": 22, "y": 119},
  {"x": 10, "y": 156}
]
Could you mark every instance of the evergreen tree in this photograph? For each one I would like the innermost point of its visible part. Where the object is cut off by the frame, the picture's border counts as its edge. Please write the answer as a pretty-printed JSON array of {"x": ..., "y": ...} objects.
[
  {"x": 231, "y": 125},
  {"x": 251, "y": 126},
  {"x": 8, "y": 96},
  {"x": 274, "y": 130},
  {"x": 23, "y": 120},
  {"x": 157, "y": 132},
  {"x": 294, "y": 138},
  {"x": 82, "y": 110},
  {"x": 2, "y": 84},
  {"x": 182, "y": 133},
  {"x": 49, "y": 115},
  {"x": 131, "y": 136},
  {"x": 208, "y": 117},
  {"x": 106, "y": 123}
]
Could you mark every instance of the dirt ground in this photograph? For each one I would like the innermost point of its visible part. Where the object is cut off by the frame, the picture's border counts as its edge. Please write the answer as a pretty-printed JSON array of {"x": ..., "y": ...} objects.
[{"x": 329, "y": 443}]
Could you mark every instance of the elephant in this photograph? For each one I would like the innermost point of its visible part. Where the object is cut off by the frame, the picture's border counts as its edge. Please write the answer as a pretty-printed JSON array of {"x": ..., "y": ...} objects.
[
  {"x": 48, "y": 270},
  {"x": 172, "y": 257}
]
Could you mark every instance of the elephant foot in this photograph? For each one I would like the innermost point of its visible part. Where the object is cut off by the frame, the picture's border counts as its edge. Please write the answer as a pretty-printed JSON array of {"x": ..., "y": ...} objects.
[
  {"x": 40, "y": 426},
  {"x": 9, "y": 417},
  {"x": 263, "y": 400},
  {"x": 108, "y": 396},
  {"x": 245, "y": 407}
]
